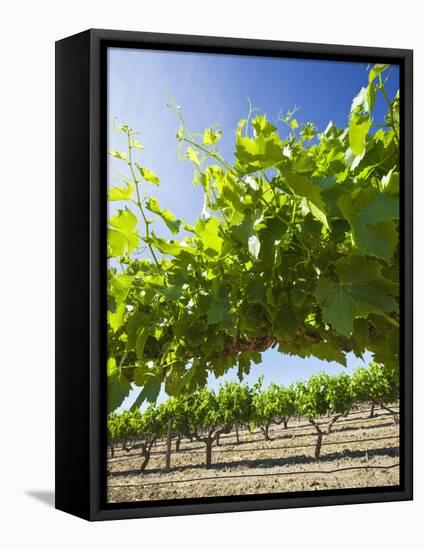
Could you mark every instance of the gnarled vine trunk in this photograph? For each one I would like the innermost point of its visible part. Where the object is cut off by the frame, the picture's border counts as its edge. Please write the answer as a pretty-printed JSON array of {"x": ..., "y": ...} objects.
[
  {"x": 169, "y": 443},
  {"x": 147, "y": 453},
  {"x": 319, "y": 440},
  {"x": 332, "y": 422},
  {"x": 209, "y": 444},
  {"x": 265, "y": 430}
]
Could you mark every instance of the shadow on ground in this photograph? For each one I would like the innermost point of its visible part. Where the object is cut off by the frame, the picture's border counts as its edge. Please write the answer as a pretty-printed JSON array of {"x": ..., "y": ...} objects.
[
  {"x": 272, "y": 462},
  {"x": 46, "y": 497}
]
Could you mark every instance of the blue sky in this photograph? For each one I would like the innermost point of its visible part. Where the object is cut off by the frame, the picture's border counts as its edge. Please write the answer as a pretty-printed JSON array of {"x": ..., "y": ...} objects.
[{"x": 211, "y": 89}]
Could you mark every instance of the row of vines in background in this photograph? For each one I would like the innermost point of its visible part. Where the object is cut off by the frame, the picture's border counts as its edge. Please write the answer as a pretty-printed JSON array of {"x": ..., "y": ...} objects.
[
  {"x": 204, "y": 415},
  {"x": 296, "y": 248}
]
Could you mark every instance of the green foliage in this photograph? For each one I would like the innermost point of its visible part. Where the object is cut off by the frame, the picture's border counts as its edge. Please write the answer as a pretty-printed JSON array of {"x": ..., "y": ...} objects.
[
  {"x": 236, "y": 402},
  {"x": 136, "y": 425},
  {"x": 167, "y": 216},
  {"x": 121, "y": 193},
  {"x": 323, "y": 394},
  {"x": 376, "y": 385},
  {"x": 312, "y": 398},
  {"x": 371, "y": 217},
  {"x": 276, "y": 404},
  {"x": 117, "y": 385},
  {"x": 147, "y": 175},
  {"x": 204, "y": 414},
  {"x": 361, "y": 290},
  {"x": 122, "y": 237},
  {"x": 340, "y": 395},
  {"x": 124, "y": 426},
  {"x": 297, "y": 248},
  {"x": 265, "y": 406}
]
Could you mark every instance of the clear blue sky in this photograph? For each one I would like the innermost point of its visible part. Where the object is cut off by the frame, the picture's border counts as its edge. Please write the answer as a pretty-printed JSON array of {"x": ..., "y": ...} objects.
[{"x": 211, "y": 89}]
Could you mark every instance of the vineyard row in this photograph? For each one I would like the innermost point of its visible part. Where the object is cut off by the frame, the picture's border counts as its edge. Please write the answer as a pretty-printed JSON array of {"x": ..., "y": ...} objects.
[{"x": 205, "y": 415}]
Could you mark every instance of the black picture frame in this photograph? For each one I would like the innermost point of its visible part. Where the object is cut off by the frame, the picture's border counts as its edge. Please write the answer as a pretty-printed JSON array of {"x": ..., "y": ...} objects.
[{"x": 81, "y": 175}]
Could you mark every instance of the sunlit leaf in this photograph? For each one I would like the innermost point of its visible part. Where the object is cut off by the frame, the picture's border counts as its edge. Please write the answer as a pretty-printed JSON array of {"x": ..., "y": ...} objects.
[{"x": 148, "y": 175}]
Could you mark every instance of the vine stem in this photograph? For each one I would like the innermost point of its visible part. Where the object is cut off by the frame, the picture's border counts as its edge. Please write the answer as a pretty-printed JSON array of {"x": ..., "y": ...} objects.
[
  {"x": 138, "y": 201},
  {"x": 212, "y": 154}
]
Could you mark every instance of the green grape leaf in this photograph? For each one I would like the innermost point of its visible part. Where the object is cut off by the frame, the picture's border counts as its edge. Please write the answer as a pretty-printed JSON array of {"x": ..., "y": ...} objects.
[
  {"x": 263, "y": 152},
  {"x": 172, "y": 247},
  {"x": 326, "y": 352},
  {"x": 192, "y": 155},
  {"x": 219, "y": 310},
  {"x": 303, "y": 164},
  {"x": 370, "y": 216},
  {"x": 262, "y": 126},
  {"x": 150, "y": 393},
  {"x": 112, "y": 368},
  {"x": 115, "y": 318},
  {"x": 136, "y": 144},
  {"x": 361, "y": 290},
  {"x": 211, "y": 136},
  {"x": 256, "y": 291},
  {"x": 117, "y": 386},
  {"x": 180, "y": 134},
  {"x": 208, "y": 232},
  {"x": 308, "y": 131},
  {"x": 167, "y": 216},
  {"x": 195, "y": 377},
  {"x": 121, "y": 235},
  {"x": 140, "y": 342},
  {"x": 365, "y": 99},
  {"x": 241, "y": 232},
  {"x": 120, "y": 193},
  {"x": 172, "y": 292},
  {"x": 117, "y": 155},
  {"x": 303, "y": 186},
  {"x": 111, "y": 304},
  {"x": 137, "y": 323},
  {"x": 147, "y": 175},
  {"x": 118, "y": 287},
  {"x": 359, "y": 127},
  {"x": 285, "y": 322},
  {"x": 376, "y": 70},
  {"x": 390, "y": 182}
]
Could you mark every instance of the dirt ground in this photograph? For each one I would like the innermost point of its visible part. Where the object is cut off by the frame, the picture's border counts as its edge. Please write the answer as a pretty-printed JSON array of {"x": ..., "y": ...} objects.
[{"x": 359, "y": 452}]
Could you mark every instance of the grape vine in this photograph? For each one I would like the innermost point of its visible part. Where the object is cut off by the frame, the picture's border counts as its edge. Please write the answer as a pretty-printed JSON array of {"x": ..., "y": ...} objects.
[
  {"x": 204, "y": 414},
  {"x": 296, "y": 248}
]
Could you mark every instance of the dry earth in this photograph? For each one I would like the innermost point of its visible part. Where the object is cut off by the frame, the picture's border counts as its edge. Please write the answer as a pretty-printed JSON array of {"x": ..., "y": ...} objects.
[{"x": 359, "y": 452}]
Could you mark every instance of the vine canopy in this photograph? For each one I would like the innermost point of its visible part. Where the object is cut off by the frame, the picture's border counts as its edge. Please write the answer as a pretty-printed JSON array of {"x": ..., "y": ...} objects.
[{"x": 296, "y": 248}]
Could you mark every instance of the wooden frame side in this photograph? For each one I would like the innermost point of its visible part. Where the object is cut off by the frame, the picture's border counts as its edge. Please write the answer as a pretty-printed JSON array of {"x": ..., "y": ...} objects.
[{"x": 72, "y": 383}]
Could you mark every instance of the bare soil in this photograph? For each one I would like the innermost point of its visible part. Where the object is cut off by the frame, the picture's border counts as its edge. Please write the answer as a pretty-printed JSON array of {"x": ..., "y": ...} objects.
[{"x": 359, "y": 452}]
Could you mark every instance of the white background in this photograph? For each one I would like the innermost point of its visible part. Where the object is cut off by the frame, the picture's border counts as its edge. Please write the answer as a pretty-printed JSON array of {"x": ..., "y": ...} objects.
[{"x": 28, "y": 32}]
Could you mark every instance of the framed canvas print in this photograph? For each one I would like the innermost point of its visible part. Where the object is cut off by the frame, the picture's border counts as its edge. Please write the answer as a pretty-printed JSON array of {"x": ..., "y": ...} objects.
[{"x": 234, "y": 274}]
